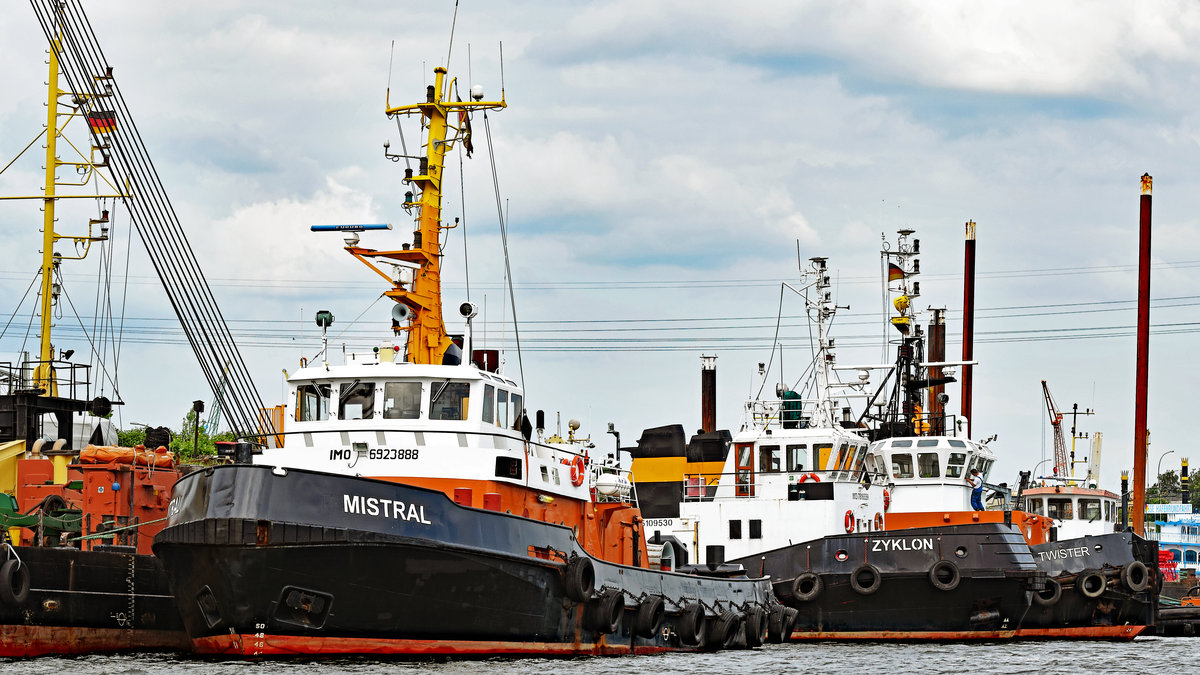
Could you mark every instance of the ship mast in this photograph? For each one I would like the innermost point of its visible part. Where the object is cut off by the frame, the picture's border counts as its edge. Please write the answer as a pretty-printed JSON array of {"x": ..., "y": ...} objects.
[{"x": 427, "y": 338}]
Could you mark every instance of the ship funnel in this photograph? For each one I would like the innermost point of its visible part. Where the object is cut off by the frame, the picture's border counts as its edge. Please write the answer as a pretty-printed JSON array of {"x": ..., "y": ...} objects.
[{"x": 708, "y": 394}]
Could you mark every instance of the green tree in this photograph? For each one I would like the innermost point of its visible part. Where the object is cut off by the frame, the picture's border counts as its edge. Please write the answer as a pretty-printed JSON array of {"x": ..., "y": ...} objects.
[
  {"x": 1165, "y": 489},
  {"x": 185, "y": 443}
]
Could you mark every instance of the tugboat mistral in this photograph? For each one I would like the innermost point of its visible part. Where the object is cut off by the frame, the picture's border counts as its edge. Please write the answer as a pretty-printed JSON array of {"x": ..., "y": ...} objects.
[{"x": 410, "y": 508}]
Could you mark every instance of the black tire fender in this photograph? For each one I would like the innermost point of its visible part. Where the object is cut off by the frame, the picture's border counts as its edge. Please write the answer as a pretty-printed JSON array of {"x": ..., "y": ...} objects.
[
  {"x": 1135, "y": 576},
  {"x": 865, "y": 579},
  {"x": 14, "y": 583},
  {"x": 756, "y": 627},
  {"x": 1091, "y": 583},
  {"x": 691, "y": 625},
  {"x": 580, "y": 579},
  {"x": 725, "y": 629},
  {"x": 775, "y": 624},
  {"x": 944, "y": 575},
  {"x": 607, "y": 610},
  {"x": 650, "y": 613},
  {"x": 807, "y": 586},
  {"x": 1050, "y": 595}
]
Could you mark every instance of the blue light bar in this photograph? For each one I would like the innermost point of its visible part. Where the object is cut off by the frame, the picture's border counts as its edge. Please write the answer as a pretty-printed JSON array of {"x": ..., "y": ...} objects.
[{"x": 351, "y": 228}]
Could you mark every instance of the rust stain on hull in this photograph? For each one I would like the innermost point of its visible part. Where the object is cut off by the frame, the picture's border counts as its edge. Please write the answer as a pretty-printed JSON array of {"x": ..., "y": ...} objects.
[
  {"x": 25, "y": 641},
  {"x": 1077, "y": 633},
  {"x": 291, "y": 645}
]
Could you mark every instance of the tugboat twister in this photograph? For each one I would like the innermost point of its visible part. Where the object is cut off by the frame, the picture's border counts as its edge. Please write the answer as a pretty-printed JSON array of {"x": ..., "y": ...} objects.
[
  {"x": 411, "y": 509},
  {"x": 1101, "y": 583},
  {"x": 797, "y": 500}
]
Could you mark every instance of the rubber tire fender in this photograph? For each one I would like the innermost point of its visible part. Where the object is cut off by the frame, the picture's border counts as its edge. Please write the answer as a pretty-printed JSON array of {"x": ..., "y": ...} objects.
[
  {"x": 725, "y": 629},
  {"x": 650, "y": 613},
  {"x": 937, "y": 571},
  {"x": 691, "y": 625},
  {"x": 756, "y": 627},
  {"x": 868, "y": 588},
  {"x": 810, "y": 581},
  {"x": 1055, "y": 589},
  {"x": 14, "y": 583},
  {"x": 775, "y": 623},
  {"x": 580, "y": 579},
  {"x": 790, "y": 616},
  {"x": 1135, "y": 576},
  {"x": 1089, "y": 578},
  {"x": 607, "y": 611}
]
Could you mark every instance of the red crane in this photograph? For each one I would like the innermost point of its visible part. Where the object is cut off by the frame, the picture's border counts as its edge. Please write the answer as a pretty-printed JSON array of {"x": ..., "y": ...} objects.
[{"x": 1060, "y": 447}]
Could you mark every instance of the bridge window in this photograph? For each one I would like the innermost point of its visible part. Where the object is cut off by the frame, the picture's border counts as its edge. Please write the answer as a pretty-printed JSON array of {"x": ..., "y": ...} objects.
[
  {"x": 1108, "y": 511},
  {"x": 735, "y": 529},
  {"x": 357, "y": 401},
  {"x": 312, "y": 402},
  {"x": 489, "y": 403},
  {"x": 1060, "y": 509},
  {"x": 796, "y": 455},
  {"x": 956, "y": 444},
  {"x": 448, "y": 400},
  {"x": 821, "y": 459},
  {"x": 902, "y": 444},
  {"x": 768, "y": 459},
  {"x": 927, "y": 443},
  {"x": 401, "y": 400},
  {"x": 515, "y": 404},
  {"x": 927, "y": 464},
  {"x": 954, "y": 467},
  {"x": 902, "y": 465},
  {"x": 502, "y": 408},
  {"x": 1035, "y": 505},
  {"x": 1089, "y": 510}
]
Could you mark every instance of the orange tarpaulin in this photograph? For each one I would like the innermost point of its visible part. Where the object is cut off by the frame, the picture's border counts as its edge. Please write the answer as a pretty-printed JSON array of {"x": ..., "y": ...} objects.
[{"x": 108, "y": 454}]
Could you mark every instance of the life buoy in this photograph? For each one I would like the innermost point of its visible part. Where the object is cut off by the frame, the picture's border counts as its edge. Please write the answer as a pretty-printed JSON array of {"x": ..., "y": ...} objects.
[
  {"x": 809, "y": 476},
  {"x": 849, "y": 522},
  {"x": 887, "y": 499},
  {"x": 577, "y": 471},
  {"x": 303, "y": 362},
  {"x": 878, "y": 522}
]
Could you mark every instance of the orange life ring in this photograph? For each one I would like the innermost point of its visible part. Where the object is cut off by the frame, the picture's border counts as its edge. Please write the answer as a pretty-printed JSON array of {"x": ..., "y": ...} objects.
[
  {"x": 878, "y": 522},
  {"x": 577, "y": 471},
  {"x": 303, "y": 362},
  {"x": 815, "y": 478},
  {"x": 849, "y": 522},
  {"x": 887, "y": 499}
]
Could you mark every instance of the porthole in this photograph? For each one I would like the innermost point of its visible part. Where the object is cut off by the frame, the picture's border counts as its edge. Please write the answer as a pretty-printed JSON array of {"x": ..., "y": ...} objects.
[
  {"x": 841, "y": 555},
  {"x": 961, "y": 551}
]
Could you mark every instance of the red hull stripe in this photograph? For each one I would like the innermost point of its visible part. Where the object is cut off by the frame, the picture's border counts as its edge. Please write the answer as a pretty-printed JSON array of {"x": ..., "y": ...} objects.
[
  {"x": 1080, "y": 632},
  {"x": 24, "y": 641},
  {"x": 291, "y": 645}
]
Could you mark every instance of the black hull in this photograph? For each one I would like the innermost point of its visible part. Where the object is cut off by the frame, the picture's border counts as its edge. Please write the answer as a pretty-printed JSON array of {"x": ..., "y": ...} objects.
[
  {"x": 1120, "y": 600},
  {"x": 987, "y": 584},
  {"x": 265, "y": 565},
  {"x": 82, "y": 602}
]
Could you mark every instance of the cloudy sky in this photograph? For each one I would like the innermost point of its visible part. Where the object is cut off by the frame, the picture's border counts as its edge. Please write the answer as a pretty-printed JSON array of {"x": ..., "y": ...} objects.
[{"x": 662, "y": 164}]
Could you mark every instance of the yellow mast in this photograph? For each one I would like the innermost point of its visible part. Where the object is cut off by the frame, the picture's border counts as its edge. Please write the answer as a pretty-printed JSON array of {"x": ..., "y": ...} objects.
[
  {"x": 427, "y": 338},
  {"x": 43, "y": 375}
]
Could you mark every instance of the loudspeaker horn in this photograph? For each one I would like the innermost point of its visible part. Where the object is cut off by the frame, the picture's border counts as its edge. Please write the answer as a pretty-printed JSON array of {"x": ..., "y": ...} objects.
[{"x": 401, "y": 312}]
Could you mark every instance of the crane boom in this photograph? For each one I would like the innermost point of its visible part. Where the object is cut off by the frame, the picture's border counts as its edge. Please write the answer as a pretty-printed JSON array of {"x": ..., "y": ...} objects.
[{"x": 1060, "y": 446}]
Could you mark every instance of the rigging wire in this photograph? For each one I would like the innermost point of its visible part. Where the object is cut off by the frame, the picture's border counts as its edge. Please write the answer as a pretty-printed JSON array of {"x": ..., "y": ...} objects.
[{"x": 487, "y": 125}]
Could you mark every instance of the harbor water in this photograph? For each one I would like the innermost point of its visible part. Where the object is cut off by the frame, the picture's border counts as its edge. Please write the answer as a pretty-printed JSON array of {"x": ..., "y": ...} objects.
[{"x": 1144, "y": 655}]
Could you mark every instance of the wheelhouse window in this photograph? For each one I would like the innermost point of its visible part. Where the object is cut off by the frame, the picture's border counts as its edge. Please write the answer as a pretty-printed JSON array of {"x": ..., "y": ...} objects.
[
  {"x": 501, "y": 408},
  {"x": 401, "y": 400},
  {"x": 357, "y": 401},
  {"x": 1089, "y": 510},
  {"x": 489, "y": 404},
  {"x": 821, "y": 453},
  {"x": 1035, "y": 506},
  {"x": 902, "y": 465},
  {"x": 312, "y": 402},
  {"x": 515, "y": 404},
  {"x": 927, "y": 465},
  {"x": 1059, "y": 509},
  {"x": 860, "y": 458},
  {"x": 796, "y": 456},
  {"x": 927, "y": 443},
  {"x": 768, "y": 459},
  {"x": 448, "y": 400},
  {"x": 954, "y": 467}
]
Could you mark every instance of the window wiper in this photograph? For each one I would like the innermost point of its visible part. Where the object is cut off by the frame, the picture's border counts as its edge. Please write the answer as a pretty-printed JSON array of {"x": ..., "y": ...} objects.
[
  {"x": 441, "y": 390},
  {"x": 348, "y": 392}
]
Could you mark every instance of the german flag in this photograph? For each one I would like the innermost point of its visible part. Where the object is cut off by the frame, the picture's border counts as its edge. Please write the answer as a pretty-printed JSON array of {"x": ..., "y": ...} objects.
[
  {"x": 894, "y": 272},
  {"x": 102, "y": 122}
]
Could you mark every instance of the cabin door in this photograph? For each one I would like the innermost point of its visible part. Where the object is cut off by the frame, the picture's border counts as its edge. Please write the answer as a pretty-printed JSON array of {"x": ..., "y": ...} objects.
[{"x": 744, "y": 468}]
